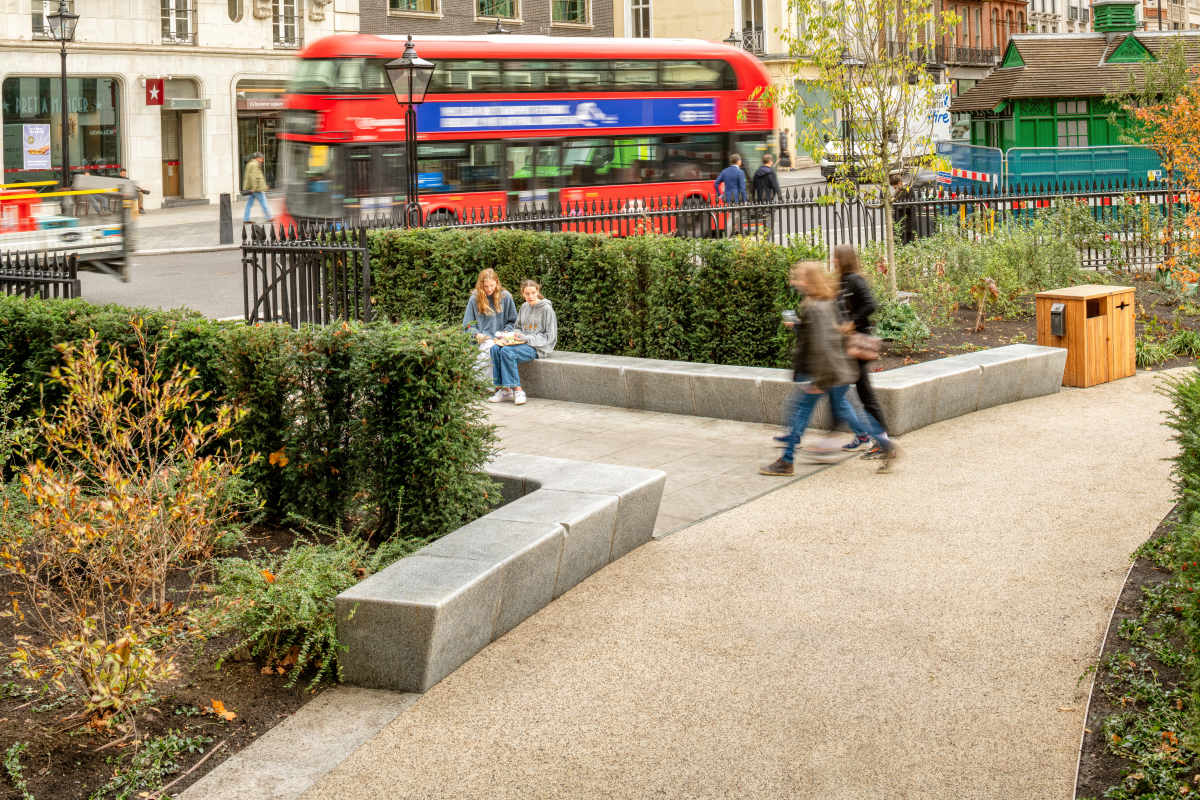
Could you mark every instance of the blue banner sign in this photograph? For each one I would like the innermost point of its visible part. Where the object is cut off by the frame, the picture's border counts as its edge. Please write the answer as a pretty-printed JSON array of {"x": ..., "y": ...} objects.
[{"x": 506, "y": 115}]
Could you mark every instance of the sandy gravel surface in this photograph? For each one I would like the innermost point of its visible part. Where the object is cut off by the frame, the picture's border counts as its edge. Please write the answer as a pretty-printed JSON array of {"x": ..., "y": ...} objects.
[{"x": 915, "y": 635}]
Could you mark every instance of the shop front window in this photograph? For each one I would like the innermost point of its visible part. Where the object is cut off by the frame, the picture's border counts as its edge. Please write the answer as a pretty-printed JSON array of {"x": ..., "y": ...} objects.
[{"x": 32, "y": 108}]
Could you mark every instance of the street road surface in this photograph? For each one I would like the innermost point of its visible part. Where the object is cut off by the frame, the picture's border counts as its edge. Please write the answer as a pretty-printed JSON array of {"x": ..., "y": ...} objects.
[{"x": 210, "y": 283}]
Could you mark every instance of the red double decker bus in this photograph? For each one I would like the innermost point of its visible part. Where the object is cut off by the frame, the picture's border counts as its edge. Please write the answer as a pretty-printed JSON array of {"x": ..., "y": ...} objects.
[{"x": 518, "y": 123}]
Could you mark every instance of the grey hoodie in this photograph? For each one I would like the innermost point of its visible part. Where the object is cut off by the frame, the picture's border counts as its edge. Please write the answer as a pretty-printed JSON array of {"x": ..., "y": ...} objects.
[{"x": 537, "y": 323}]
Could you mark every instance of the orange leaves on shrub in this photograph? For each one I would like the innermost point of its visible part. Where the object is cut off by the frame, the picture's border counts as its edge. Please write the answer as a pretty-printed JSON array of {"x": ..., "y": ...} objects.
[{"x": 132, "y": 485}]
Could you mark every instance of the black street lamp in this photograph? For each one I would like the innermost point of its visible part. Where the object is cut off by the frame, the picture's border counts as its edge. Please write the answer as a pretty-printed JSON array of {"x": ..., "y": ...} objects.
[
  {"x": 733, "y": 40},
  {"x": 62, "y": 29},
  {"x": 410, "y": 75}
]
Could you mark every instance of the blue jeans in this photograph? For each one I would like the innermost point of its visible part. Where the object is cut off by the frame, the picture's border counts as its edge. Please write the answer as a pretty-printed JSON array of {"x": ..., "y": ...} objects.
[
  {"x": 803, "y": 404},
  {"x": 504, "y": 363},
  {"x": 261, "y": 197}
]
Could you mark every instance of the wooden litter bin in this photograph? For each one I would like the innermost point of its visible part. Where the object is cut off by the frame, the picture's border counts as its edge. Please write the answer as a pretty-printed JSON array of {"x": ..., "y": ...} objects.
[{"x": 1095, "y": 325}]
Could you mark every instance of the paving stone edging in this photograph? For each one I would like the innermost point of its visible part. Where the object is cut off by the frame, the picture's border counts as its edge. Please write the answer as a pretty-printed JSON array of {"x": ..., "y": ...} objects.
[
  {"x": 912, "y": 397},
  {"x": 413, "y": 623}
]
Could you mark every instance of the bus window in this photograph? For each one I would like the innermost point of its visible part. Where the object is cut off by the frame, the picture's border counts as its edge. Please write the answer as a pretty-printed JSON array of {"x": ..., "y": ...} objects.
[
  {"x": 579, "y": 76},
  {"x": 631, "y": 76},
  {"x": 465, "y": 76},
  {"x": 752, "y": 147},
  {"x": 533, "y": 174},
  {"x": 635, "y": 160},
  {"x": 585, "y": 160},
  {"x": 697, "y": 75},
  {"x": 340, "y": 76},
  {"x": 693, "y": 157},
  {"x": 393, "y": 169},
  {"x": 359, "y": 172},
  {"x": 459, "y": 166},
  {"x": 526, "y": 76}
]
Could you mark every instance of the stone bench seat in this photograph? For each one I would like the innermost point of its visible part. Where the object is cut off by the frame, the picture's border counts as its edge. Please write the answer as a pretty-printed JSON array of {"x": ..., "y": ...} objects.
[
  {"x": 912, "y": 397},
  {"x": 411, "y": 624}
]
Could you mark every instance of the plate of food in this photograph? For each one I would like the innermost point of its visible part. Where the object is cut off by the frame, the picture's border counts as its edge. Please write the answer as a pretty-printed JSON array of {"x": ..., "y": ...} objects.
[{"x": 505, "y": 338}]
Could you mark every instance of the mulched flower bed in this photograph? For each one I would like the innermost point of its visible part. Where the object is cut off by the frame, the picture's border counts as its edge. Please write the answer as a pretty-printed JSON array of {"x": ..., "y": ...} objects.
[
  {"x": 1099, "y": 767},
  {"x": 65, "y": 760},
  {"x": 1154, "y": 303}
]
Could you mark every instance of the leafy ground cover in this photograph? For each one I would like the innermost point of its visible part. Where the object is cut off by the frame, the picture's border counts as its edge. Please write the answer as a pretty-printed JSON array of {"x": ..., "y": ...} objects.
[{"x": 1142, "y": 735}]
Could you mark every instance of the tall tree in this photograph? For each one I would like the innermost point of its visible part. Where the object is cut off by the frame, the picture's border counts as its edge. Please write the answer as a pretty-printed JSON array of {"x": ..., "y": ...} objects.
[
  {"x": 869, "y": 58},
  {"x": 1149, "y": 118}
]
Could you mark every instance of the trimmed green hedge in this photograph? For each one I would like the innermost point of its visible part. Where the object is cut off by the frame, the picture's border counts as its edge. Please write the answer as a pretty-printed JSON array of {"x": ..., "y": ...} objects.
[
  {"x": 709, "y": 301},
  {"x": 377, "y": 426}
]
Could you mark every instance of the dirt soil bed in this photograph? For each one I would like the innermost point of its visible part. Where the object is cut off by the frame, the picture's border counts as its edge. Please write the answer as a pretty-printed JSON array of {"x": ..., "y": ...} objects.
[
  {"x": 1099, "y": 768},
  {"x": 1155, "y": 307},
  {"x": 63, "y": 760}
]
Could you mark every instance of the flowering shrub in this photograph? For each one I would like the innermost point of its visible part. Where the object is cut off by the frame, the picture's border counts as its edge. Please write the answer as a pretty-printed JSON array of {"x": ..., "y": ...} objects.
[{"x": 131, "y": 486}]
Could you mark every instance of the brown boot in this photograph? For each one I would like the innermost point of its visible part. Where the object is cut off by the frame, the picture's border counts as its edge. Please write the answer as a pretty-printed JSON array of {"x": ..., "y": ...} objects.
[{"x": 779, "y": 467}]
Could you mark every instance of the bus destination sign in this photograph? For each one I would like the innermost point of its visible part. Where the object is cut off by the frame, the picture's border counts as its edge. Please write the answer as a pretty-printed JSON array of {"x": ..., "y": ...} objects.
[{"x": 571, "y": 114}]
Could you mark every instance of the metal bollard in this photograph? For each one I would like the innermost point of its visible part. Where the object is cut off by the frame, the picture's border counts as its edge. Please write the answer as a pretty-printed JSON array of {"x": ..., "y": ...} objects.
[{"x": 226, "y": 219}]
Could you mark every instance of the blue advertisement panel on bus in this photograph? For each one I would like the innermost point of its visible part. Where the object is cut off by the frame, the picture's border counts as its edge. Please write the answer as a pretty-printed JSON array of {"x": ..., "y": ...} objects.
[{"x": 499, "y": 115}]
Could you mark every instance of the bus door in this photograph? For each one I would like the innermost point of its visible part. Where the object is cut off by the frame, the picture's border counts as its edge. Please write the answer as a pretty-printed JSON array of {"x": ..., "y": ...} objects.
[{"x": 535, "y": 176}]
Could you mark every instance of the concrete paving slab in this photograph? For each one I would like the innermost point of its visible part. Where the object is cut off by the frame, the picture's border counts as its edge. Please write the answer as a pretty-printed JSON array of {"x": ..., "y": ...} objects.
[{"x": 289, "y": 758}]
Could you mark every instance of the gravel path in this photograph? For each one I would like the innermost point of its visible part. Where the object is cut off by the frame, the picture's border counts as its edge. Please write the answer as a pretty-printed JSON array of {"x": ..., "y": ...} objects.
[{"x": 915, "y": 635}]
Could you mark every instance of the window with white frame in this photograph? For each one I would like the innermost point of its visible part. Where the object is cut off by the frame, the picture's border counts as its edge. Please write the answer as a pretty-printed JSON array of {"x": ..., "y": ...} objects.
[
  {"x": 41, "y": 10},
  {"x": 641, "y": 19},
  {"x": 505, "y": 9},
  {"x": 413, "y": 6},
  {"x": 574, "y": 12},
  {"x": 285, "y": 22},
  {"x": 1072, "y": 132},
  {"x": 177, "y": 20}
]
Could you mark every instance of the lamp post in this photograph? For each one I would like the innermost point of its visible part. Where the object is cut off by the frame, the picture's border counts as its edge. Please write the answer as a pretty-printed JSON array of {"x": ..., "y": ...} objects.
[
  {"x": 732, "y": 40},
  {"x": 410, "y": 75},
  {"x": 62, "y": 29}
]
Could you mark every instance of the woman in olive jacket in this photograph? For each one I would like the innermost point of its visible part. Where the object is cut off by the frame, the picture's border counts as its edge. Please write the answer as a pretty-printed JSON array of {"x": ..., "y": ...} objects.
[{"x": 820, "y": 364}]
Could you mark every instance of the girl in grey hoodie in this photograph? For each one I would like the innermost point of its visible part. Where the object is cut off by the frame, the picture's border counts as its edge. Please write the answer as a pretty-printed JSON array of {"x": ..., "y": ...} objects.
[{"x": 535, "y": 336}]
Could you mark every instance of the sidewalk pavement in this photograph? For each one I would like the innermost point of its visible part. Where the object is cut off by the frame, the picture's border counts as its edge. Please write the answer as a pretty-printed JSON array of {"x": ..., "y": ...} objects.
[
  {"x": 191, "y": 227},
  {"x": 921, "y": 634}
]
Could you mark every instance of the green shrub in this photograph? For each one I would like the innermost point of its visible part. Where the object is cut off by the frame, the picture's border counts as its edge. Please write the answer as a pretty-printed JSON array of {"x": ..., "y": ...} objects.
[
  {"x": 711, "y": 301},
  {"x": 900, "y": 324},
  {"x": 1184, "y": 420},
  {"x": 373, "y": 425},
  {"x": 281, "y": 606}
]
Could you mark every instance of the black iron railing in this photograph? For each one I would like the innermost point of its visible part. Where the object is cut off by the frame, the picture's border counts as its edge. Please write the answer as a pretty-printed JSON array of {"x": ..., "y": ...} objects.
[
  {"x": 320, "y": 271},
  {"x": 45, "y": 275}
]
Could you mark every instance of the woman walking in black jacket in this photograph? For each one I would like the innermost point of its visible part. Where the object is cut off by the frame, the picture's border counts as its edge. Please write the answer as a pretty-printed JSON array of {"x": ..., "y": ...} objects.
[{"x": 858, "y": 304}]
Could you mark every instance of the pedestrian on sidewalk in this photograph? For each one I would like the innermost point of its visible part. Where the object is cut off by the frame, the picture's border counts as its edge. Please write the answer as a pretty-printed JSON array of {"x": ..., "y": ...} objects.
[
  {"x": 766, "y": 182},
  {"x": 535, "y": 336},
  {"x": 731, "y": 183},
  {"x": 857, "y": 304},
  {"x": 137, "y": 188},
  {"x": 819, "y": 363},
  {"x": 490, "y": 311},
  {"x": 254, "y": 186}
]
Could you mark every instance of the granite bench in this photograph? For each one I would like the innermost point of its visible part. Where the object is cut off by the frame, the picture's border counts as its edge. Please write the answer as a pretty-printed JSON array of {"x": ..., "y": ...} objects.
[
  {"x": 912, "y": 397},
  {"x": 413, "y": 623}
]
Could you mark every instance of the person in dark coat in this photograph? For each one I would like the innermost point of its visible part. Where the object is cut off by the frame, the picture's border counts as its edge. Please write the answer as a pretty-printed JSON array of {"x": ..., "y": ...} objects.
[
  {"x": 857, "y": 305},
  {"x": 766, "y": 182},
  {"x": 820, "y": 366},
  {"x": 902, "y": 216}
]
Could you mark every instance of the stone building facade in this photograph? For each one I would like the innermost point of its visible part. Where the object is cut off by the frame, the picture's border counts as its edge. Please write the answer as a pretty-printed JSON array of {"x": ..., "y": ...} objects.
[
  {"x": 223, "y": 67},
  {"x": 459, "y": 17}
]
